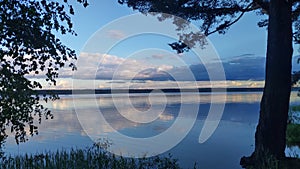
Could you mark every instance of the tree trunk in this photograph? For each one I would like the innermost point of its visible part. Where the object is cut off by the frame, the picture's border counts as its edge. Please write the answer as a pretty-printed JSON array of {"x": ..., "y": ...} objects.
[{"x": 270, "y": 136}]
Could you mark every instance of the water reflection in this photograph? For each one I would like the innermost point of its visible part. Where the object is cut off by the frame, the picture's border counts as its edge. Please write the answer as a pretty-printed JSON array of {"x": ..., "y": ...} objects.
[{"x": 233, "y": 138}]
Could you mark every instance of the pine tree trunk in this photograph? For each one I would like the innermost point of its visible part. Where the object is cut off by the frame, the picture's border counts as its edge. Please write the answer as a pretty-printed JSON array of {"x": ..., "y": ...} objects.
[{"x": 270, "y": 136}]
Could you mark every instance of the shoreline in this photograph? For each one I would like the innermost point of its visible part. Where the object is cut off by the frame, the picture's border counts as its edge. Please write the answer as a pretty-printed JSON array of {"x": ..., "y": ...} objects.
[{"x": 120, "y": 91}]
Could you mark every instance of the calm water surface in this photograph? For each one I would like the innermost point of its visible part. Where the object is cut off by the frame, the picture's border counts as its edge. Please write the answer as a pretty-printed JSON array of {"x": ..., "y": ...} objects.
[{"x": 233, "y": 138}]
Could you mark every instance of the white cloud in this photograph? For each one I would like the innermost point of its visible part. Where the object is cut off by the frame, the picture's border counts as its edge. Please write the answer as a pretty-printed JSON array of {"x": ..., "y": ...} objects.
[
  {"x": 67, "y": 83},
  {"x": 104, "y": 66},
  {"x": 116, "y": 34},
  {"x": 64, "y": 84},
  {"x": 96, "y": 70}
]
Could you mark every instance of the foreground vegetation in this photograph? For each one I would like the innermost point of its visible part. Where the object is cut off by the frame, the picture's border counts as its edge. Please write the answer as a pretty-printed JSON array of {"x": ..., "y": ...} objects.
[
  {"x": 292, "y": 139},
  {"x": 97, "y": 158},
  {"x": 273, "y": 163},
  {"x": 293, "y": 127},
  {"x": 293, "y": 135},
  {"x": 94, "y": 157}
]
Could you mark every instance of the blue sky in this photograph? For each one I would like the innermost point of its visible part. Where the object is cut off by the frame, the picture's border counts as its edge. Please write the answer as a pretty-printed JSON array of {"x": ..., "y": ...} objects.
[
  {"x": 243, "y": 37},
  {"x": 147, "y": 57}
]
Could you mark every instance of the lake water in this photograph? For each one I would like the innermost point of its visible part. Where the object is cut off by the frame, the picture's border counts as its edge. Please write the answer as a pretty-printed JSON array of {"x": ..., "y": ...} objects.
[{"x": 232, "y": 139}]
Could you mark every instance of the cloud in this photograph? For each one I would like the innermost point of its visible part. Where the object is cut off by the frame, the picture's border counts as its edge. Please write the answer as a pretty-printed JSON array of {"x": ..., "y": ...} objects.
[
  {"x": 106, "y": 67},
  {"x": 149, "y": 84},
  {"x": 116, "y": 34},
  {"x": 245, "y": 67},
  {"x": 64, "y": 84},
  {"x": 158, "y": 56},
  {"x": 96, "y": 67},
  {"x": 244, "y": 55}
]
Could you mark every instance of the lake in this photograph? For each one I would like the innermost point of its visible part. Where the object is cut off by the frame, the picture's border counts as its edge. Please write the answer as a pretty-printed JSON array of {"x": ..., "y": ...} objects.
[{"x": 76, "y": 124}]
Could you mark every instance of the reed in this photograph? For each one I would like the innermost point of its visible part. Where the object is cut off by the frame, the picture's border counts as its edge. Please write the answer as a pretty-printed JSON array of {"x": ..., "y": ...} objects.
[{"x": 93, "y": 157}]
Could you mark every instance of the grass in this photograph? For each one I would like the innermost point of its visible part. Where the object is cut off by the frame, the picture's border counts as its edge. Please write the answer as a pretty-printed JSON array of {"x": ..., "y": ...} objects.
[
  {"x": 293, "y": 127},
  {"x": 93, "y": 157},
  {"x": 292, "y": 138},
  {"x": 267, "y": 163},
  {"x": 293, "y": 135},
  {"x": 295, "y": 108},
  {"x": 270, "y": 162},
  {"x": 97, "y": 158}
]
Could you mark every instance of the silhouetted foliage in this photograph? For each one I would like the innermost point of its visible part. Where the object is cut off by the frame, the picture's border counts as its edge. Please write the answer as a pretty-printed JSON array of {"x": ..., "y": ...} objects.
[
  {"x": 295, "y": 77},
  {"x": 29, "y": 47},
  {"x": 179, "y": 47},
  {"x": 215, "y": 16}
]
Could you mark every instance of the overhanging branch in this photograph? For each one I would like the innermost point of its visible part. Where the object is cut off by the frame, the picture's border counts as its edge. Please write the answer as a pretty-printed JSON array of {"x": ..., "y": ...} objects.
[
  {"x": 228, "y": 23},
  {"x": 264, "y": 5}
]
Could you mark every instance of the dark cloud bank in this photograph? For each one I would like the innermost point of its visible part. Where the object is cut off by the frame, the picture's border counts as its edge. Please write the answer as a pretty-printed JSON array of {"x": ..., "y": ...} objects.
[{"x": 245, "y": 67}]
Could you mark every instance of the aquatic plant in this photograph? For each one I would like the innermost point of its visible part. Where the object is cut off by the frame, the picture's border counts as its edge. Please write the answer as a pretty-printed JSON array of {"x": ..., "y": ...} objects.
[{"x": 93, "y": 157}]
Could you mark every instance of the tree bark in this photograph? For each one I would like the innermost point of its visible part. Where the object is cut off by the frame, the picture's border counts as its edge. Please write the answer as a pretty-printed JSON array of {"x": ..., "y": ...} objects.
[{"x": 270, "y": 136}]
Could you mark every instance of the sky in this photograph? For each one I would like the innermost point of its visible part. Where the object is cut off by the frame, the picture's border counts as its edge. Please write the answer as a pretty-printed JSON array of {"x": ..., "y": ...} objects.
[
  {"x": 243, "y": 37},
  {"x": 116, "y": 43}
]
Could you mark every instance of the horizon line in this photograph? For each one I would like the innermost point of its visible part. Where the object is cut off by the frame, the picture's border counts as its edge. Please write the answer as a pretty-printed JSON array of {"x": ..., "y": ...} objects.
[{"x": 164, "y": 90}]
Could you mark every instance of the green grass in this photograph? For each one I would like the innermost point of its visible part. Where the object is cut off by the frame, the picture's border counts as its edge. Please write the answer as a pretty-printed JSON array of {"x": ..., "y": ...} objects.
[
  {"x": 292, "y": 138},
  {"x": 293, "y": 134},
  {"x": 270, "y": 162},
  {"x": 94, "y": 158},
  {"x": 293, "y": 127},
  {"x": 295, "y": 108},
  {"x": 97, "y": 158}
]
